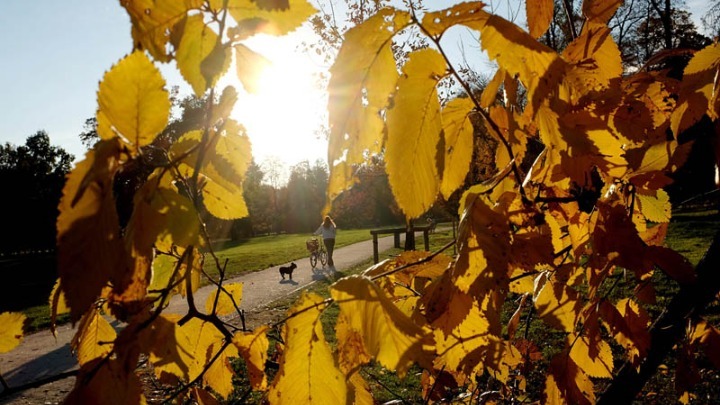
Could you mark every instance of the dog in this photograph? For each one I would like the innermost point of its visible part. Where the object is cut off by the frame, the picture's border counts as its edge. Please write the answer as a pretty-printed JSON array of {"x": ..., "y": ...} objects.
[{"x": 287, "y": 270}]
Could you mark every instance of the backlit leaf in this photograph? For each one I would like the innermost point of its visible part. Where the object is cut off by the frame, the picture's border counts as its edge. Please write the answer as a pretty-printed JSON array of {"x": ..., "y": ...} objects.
[
  {"x": 90, "y": 251},
  {"x": 538, "y": 67},
  {"x": 412, "y": 142},
  {"x": 362, "y": 79},
  {"x": 197, "y": 43},
  {"x": 595, "y": 57},
  {"x": 592, "y": 355},
  {"x": 133, "y": 100},
  {"x": 225, "y": 304},
  {"x": 628, "y": 324},
  {"x": 153, "y": 21},
  {"x": 698, "y": 87},
  {"x": 539, "y": 15},
  {"x": 567, "y": 383},
  {"x": 253, "y": 347},
  {"x": 308, "y": 373},
  {"x": 270, "y": 20},
  {"x": 220, "y": 374},
  {"x": 600, "y": 10},
  {"x": 557, "y": 304},
  {"x": 11, "y": 333},
  {"x": 107, "y": 383},
  {"x": 458, "y": 134},
  {"x": 466, "y": 13},
  {"x": 655, "y": 208},
  {"x": 94, "y": 338},
  {"x": 57, "y": 304},
  {"x": 388, "y": 335},
  {"x": 250, "y": 66}
]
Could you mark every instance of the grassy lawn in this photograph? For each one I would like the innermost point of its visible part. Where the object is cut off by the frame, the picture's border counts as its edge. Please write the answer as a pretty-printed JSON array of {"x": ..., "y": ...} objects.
[{"x": 266, "y": 251}]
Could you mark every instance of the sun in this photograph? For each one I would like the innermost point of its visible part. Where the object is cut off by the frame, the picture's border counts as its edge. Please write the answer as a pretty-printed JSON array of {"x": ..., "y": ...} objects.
[{"x": 283, "y": 119}]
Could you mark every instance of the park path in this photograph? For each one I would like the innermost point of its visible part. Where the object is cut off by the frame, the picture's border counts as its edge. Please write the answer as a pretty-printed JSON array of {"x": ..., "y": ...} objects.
[{"x": 40, "y": 355}]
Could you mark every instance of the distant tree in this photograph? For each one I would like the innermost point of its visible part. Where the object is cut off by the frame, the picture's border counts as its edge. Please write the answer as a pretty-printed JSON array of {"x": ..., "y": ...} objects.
[
  {"x": 711, "y": 19},
  {"x": 305, "y": 196},
  {"x": 370, "y": 202},
  {"x": 34, "y": 174}
]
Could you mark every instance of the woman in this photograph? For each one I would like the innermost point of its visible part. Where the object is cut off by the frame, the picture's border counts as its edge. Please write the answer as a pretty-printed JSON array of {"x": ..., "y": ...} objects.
[{"x": 327, "y": 229}]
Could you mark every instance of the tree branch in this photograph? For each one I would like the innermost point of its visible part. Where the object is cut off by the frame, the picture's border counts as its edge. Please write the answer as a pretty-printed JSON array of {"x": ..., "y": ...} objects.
[{"x": 669, "y": 328}]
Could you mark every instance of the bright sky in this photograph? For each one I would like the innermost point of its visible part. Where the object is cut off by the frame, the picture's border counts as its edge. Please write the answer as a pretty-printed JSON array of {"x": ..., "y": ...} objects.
[{"x": 56, "y": 52}]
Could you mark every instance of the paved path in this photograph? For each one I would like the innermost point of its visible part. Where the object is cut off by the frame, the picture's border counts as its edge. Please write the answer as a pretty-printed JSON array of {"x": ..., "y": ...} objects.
[{"x": 40, "y": 355}]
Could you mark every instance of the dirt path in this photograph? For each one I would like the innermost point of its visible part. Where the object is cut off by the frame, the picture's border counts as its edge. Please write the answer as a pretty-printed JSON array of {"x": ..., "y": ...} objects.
[{"x": 40, "y": 355}]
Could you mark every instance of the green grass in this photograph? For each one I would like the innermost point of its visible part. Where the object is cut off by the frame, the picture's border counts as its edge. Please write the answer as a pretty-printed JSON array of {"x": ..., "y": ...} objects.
[{"x": 266, "y": 251}]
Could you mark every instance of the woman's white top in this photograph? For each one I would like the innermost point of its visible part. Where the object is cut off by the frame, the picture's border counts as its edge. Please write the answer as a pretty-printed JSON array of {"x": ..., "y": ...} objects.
[{"x": 327, "y": 233}]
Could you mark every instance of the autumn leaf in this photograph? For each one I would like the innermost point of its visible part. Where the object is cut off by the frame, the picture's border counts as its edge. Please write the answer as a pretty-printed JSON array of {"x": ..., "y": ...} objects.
[
  {"x": 253, "y": 347},
  {"x": 457, "y": 132},
  {"x": 250, "y": 66},
  {"x": 153, "y": 22},
  {"x": 595, "y": 59},
  {"x": 557, "y": 304},
  {"x": 57, "y": 304},
  {"x": 361, "y": 82},
  {"x": 655, "y": 208},
  {"x": 133, "y": 101},
  {"x": 219, "y": 375},
  {"x": 467, "y": 13},
  {"x": 228, "y": 300},
  {"x": 308, "y": 373},
  {"x": 539, "y": 15},
  {"x": 253, "y": 15},
  {"x": 108, "y": 382},
  {"x": 12, "y": 331},
  {"x": 698, "y": 87},
  {"x": 600, "y": 10},
  {"x": 568, "y": 383},
  {"x": 627, "y": 323},
  {"x": 197, "y": 43},
  {"x": 592, "y": 354},
  {"x": 90, "y": 250},
  {"x": 94, "y": 338},
  {"x": 387, "y": 334},
  {"x": 412, "y": 143}
]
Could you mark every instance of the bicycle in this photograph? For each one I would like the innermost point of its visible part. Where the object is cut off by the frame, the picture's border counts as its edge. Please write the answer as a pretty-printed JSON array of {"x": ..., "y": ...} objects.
[{"x": 317, "y": 252}]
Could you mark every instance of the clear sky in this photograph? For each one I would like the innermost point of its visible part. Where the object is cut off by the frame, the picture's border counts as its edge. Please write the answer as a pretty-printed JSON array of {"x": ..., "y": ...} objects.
[{"x": 55, "y": 52}]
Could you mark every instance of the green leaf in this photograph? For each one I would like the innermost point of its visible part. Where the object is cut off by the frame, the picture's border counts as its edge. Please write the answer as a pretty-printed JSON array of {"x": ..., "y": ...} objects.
[{"x": 414, "y": 127}]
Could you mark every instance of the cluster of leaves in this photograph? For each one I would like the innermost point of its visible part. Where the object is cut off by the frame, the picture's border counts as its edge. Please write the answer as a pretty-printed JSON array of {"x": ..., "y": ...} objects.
[
  {"x": 591, "y": 203},
  {"x": 549, "y": 240}
]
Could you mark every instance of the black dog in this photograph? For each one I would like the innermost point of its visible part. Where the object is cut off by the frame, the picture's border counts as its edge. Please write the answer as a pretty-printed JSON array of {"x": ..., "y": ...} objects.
[{"x": 287, "y": 270}]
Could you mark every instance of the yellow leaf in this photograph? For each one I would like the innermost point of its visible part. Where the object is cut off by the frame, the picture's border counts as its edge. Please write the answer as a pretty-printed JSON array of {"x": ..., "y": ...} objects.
[
  {"x": 458, "y": 132},
  {"x": 600, "y": 10},
  {"x": 265, "y": 20},
  {"x": 414, "y": 127},
  {"x": 484, "y": 237},
  {"x": 351, "y": 349},
  {"x": 490, "y": 92},
  {"x": 233, "y": 152},
  {"x": 163, "y": 268},
  {"x": 596, "y": 59},
  {"x": 225, "y": 305},
  {"x": 57, "y": 304},
  {"x": 557, "y": 304},
  {"x": 362, "y": 79},
  {"x": 168, "y": 347},
  {"x": 567, "y": 383},
  {"x": 250, "y": 66},
  {"x": 467, "y": 13},
  {"x": 94, "y": 338},
  {"x": 538, "y": 67},
  {"x": 219, "y": 375},
  {"x": 361, "y": 394},
  {"x": 657, "y": 208},
  {"x": 698, "y": 88},
  {"x": 593, "y": 356},
  {"x": 133, "y": 100},
  {"x": 539, "y": 15},
  {"x": 197, "y": 43},
  {"x": 463, "y": 348},
  {"x": 107, "y": 383},
  {"x": 253, "y": 347},
  {"x": 90, "y": 250},
  {"x": 153, "y": 22},
  {"x": 11, "y": 333},
  {"x": 308, "y": 373},
  {"x": 203, "y": 397},
  {"x": 387, "y": 334},
  {"x": 222, "y": 198}
]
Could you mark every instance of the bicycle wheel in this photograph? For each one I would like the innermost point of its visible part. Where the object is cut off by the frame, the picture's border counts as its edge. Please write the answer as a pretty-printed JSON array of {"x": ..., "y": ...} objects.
[
  {"x": 313, "y": 259},
  {"x": 323, "y": 257}
]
